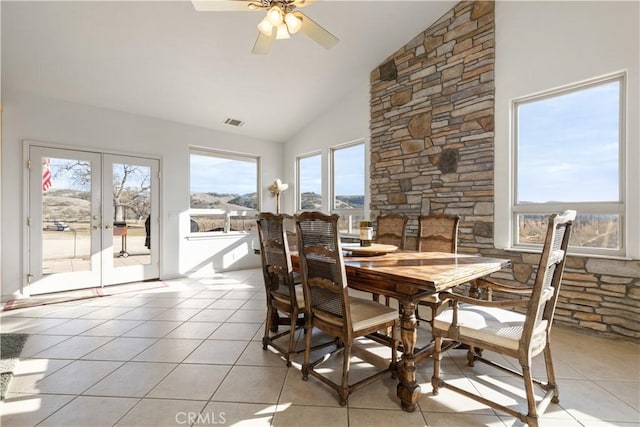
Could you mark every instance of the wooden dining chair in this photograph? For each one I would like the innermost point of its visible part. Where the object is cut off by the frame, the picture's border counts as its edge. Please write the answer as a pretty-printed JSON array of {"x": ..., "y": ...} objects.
[
  {"x": 328, "y": 305},
  {"x": 487, "y": 324},
  {"x": 436, "y": 233},
  {"x": 391, "y": 229},
  {"x": 283, "y": 296}
]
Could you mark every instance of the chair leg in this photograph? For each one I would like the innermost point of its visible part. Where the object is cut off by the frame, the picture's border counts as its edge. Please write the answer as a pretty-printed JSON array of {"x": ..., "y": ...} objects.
[
  {"x": 292, "y": 334},
  {"x": 532, "y": 415},
  {"x": 307, "y": 351},
  {"x": 394, "y": 353},
  {"x": 267, "y": 327},
  {"x": 343, "y": 393},
  {"x": 437, "y": 356},
  {"x": 551, "y": 376},
  {"x": 471, "y": 358}
]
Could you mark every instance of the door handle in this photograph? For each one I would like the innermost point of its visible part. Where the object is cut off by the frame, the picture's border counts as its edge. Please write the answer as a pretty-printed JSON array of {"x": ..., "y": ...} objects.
[
  {"x": 95, "y": 227},
  {"x": 107, "y": 227}
]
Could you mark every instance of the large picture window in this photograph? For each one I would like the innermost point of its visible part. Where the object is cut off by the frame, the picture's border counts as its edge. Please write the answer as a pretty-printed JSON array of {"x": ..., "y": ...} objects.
[
  {"x": 568, "y": 151},
  {"x": 223, "y": 191},
  {"x": 348, "y": 185},
  {"x": 309, "y": 186}
]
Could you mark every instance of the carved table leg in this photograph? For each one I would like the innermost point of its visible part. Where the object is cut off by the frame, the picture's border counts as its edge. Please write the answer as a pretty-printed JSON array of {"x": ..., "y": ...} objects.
[{"x": 408, "y": 389}]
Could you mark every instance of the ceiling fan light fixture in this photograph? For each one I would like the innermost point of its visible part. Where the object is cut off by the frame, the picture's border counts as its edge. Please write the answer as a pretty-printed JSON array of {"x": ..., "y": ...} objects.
[
  {"x": 265, "y": 27},
  {"x": 293, "y": 23},
  {"x": 274, "y": 16},
  {"x": 281, "y": 32}
]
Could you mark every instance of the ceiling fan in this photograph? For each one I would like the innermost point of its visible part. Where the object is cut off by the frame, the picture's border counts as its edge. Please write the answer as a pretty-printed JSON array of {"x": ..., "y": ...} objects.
[{"x": 282, "y": 20}]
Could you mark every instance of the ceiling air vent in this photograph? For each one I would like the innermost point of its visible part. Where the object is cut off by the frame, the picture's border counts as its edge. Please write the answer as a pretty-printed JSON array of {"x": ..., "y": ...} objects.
[{"x": 234, "y": 122}]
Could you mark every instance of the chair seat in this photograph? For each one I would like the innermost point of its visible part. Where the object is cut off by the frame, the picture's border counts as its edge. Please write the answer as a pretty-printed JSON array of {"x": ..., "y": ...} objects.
[
  {"x": 365, "y": 314},
  {"x": 488, "y": 324}
]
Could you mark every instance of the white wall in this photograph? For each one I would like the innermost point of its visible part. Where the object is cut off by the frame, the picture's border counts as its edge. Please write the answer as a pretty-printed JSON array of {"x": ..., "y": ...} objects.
[
  {"x": 52, "y": 121},
  {"x": 546, "y": 45},
  {"x": 346, "y": 121}
]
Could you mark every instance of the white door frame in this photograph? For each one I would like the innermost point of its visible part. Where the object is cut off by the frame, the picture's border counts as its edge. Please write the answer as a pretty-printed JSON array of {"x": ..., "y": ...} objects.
[{"x": 100, "y": 233}]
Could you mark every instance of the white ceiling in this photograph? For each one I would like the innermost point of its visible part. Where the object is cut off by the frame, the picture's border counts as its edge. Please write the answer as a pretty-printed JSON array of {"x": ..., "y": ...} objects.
[{"x": 163, "y": 59}]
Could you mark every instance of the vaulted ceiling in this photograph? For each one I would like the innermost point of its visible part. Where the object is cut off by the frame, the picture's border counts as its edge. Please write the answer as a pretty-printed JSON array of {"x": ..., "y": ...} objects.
[{"x": 164, "y": 59}]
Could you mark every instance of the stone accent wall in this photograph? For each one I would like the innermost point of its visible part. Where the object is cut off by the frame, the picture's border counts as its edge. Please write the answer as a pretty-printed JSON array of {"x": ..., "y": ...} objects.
[{"x": 432, "y": 141}]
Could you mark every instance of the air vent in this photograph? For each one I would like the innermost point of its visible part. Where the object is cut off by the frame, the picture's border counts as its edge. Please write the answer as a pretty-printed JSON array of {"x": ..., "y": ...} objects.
[{"x": 234, "y": 122}]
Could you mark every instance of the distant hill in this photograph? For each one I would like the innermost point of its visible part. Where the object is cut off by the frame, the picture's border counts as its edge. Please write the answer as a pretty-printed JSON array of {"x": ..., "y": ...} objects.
[
  {"x": 238, "y": 202},
  {"x": 314, "y": 201},
  {"x": 223, "y": 201},
  {"x": 66, "y": 205}
]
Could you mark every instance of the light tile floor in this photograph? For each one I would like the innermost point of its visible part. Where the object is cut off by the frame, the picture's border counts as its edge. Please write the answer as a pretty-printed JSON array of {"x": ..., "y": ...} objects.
[{"x": 191, "y": 354}]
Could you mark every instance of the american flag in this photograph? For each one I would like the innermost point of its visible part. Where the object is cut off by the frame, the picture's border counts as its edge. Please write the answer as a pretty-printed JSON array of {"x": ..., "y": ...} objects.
[{"x": 46, "y": 174}]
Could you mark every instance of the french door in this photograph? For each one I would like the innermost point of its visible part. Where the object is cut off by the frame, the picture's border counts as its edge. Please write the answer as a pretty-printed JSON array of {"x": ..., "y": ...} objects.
[{"x": 92, "y": 219}]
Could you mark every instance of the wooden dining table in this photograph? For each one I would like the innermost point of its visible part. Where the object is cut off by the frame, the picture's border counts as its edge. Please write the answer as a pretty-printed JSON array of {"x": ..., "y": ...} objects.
[{"x": 409, "y": 276}]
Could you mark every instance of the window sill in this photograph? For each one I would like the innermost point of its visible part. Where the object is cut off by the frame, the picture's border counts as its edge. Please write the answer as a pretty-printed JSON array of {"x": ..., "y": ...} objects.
[
  {"x": 218, "y": 235},
  {"x": 571, "y": 253}
]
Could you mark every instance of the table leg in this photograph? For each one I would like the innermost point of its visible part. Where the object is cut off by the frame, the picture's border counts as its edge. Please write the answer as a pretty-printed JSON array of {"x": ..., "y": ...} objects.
[{"x": 408, "y": 389}]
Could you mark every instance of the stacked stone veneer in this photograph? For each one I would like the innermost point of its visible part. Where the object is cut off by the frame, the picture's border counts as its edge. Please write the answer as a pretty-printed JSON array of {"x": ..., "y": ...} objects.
[{"x": 432, "y": 151}]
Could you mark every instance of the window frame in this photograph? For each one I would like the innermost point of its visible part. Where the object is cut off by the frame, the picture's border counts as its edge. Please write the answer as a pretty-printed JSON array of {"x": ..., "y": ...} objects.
[
  {"x": 352, "y": 226},
  {"x": 300, "y": 157},
  {"x": 618, "y": 207},
  {"x": 227, "y": 214}
]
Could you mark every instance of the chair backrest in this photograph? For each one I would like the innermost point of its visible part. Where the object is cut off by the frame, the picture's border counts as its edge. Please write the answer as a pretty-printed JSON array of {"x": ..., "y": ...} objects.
[
  {"x": 276, "y": 260},
  {"x": 546, "y": 287},
  {"x": 438, "y": 233},
  {"x": 324, "y": 279},
  {"x": 391, "y": 229}
]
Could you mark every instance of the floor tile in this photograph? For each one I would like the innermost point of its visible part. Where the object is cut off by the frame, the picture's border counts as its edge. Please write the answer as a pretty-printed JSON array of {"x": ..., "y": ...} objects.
[
  {"x": 253, "y": 384},
  {"x": 29, "y": 410},
  {"x": 74, "y": 347},
  {"x": 168, "y": 350},
  {"x": 112, "y": 328},
  {"x": 387, "y": 418},
  {"x": 77, "y": 376},
  {"x": 73, "y": 327},
  {"x": 310, "y": 416},
  {"x": 191, "y": 382},
  {"x": 90, "y": 411},
  {"x": 217, "y": 352},
  {"x": 194, "y": 330},
  {"x": 236, "y": 331},
  {"x": 37, "y": 343},
  {"x": 153, "y": 329},
  {"x": 121, "y": 348},
  {"x": 29, "y": 373},
  {"x": 239, "y": 414},
  {"x": 461, "y": 419},
  {"x": 212, "y": 315},
  {"x": 248, "y": 316},
  {"x": 254, "y": 355},
  {"x": 162, "y": 412},
  {"x": 195, "y": 303},
  {"x": 178, "y": 314},
  {"x": 133, "y": 379}
]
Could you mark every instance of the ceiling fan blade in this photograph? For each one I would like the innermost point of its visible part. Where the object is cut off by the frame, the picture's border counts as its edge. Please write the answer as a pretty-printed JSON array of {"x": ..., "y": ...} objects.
[
  {"x": 221, "y": 5},
  {"x": 315, "y": 32},
  {"x": 263, "y": 43}
]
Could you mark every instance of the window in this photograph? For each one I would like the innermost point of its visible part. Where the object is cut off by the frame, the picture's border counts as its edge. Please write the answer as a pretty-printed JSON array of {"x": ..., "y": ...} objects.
[
  {"x": 223, "y": 192},
  {"x": 310, "y": 182},
  {"x": 568, "y": 151},
  {"x": 348, "y": 185}
]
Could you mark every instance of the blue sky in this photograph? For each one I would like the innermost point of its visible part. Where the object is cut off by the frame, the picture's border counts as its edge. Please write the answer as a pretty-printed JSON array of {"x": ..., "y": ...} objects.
[{"x": 568, "y": 147}]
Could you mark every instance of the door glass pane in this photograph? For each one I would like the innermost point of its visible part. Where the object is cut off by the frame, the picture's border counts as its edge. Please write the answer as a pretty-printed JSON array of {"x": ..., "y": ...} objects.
[
  {"x": 131, "y": 214},
  {"x": 66, "y": 211}
]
